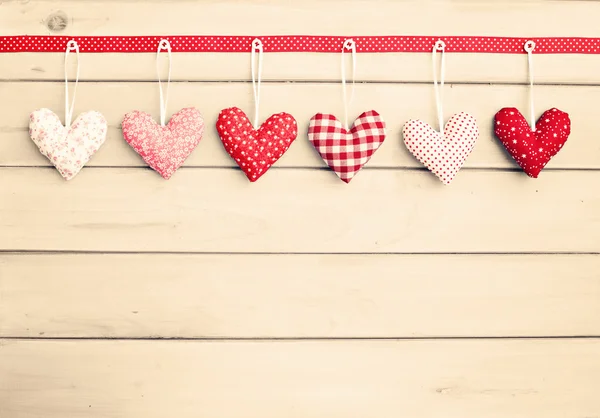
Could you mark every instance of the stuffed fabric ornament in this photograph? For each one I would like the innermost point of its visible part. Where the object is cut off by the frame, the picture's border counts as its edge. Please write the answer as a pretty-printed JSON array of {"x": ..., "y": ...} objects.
[
  {"x": 255, "y": 150},
  {"x": 442, "y": 155},
  {"x": 68, "y": 149},
  {"x": 164, "y": 148},
  {"x": 532, "y": 150},
  {"x": 346, "y": 151},
  {"x": 445, "y": 151}
]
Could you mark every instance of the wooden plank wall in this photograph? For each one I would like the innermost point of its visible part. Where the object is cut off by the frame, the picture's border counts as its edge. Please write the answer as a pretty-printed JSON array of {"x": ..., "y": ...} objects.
[{"x": 124, "y": 295}]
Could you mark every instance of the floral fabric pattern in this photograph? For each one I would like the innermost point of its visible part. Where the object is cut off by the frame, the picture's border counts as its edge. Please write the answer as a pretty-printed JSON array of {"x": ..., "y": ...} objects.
[
  {"x": 68, "y": 149},
  {"x": 164, "y": 148}
]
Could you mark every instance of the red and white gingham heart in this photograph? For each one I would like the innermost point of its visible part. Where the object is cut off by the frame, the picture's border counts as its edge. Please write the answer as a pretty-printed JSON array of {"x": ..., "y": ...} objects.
[
  {"x": 346, "y": 152},
  {"x": 164, "y": 148},
  {"x": 68, "y": 149},
  {"x": 443, "y": 156}
]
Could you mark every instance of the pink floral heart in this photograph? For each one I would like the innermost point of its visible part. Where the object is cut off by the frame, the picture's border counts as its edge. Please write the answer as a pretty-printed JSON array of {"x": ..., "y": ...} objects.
[
  {"x": 164, "y": 148},
  {"x": 443, "y": 154},
  {"x": 68, "y": 149}
]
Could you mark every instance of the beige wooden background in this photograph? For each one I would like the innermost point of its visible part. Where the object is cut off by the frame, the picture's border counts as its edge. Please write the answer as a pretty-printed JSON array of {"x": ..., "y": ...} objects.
[{"x": 124, "y": 295}]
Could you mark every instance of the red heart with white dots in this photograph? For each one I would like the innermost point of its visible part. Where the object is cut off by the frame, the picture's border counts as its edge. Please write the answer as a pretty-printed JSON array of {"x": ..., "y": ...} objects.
[
  {"x": 443, "y": 154},
  {"x": 255, "y": 150},
  {"x": 532, "y": 150}
]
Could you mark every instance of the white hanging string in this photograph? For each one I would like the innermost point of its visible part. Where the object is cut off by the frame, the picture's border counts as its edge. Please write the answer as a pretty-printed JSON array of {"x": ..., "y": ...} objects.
[
  {"x": 71, "y": 46},
  {"x": 439, "y": 90},
  {"x": 257, "y": 46},
  {"x": 163, "y": 44},
  {"x": 529, "y": 47},
  {"x": 350, "y": 45}
]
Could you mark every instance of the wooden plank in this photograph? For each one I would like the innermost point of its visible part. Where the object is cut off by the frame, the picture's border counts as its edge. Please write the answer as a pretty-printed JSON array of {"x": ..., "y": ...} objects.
[
  {"x": 572, "y": 69},
  {"x": 215, "y": 210},
  {"x": 466, "y": 378},
  {"x": 396, "y": 103},
  {"x": 530, "y": 18},
  {"x": 215, "y": 17},
  {"x": 298, "y": 296}
]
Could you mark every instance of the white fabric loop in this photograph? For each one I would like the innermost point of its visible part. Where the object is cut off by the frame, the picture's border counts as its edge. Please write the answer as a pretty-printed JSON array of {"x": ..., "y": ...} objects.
[
  {"x": 257, "y": 46},
  {"x": 350, "y": 45},
  {"x": 439, "y": 90},
  {"x": 529, "y": 47},
  {"x": 163, "y": 45},
  {"x": 71, "y": 46}
]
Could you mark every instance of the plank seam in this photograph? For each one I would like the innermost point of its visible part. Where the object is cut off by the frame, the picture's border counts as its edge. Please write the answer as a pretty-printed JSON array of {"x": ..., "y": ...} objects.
[
  {"x": 442, "y": 253},
  {"x": 323, "y": 81},
  {"x": 299, "y": 339},
  {"x": 303, "y": 168}
]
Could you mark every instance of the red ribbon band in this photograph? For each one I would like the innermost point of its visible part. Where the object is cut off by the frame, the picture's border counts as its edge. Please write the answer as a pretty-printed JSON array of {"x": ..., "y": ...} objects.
[{"x": 297, "y": 43}]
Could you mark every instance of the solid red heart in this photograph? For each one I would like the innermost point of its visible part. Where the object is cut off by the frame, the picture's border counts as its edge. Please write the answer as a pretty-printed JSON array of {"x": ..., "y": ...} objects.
[
  {"x": 255, "y": 150},
  {"x": 532, "y": 149}
]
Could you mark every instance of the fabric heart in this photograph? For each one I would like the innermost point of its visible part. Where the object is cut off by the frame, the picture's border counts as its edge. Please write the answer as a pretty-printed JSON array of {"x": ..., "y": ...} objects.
[
  {"x": 164, "y": 148},
  {"x": 443, "y": 156},
  {"x": 532, "y": 150},
  {"x": 255, "y": 150},
  {"x": 68, "y": 149},
  {"x": 346, "y": 152}
]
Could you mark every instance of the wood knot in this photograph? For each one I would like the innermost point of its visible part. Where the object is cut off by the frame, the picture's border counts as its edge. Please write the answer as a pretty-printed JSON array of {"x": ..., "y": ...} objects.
[{"x": 57, "y": 21}]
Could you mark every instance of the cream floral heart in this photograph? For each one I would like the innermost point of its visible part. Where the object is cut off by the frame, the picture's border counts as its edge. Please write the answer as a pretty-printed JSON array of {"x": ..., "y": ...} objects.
[{"x": 68, "y": 149}]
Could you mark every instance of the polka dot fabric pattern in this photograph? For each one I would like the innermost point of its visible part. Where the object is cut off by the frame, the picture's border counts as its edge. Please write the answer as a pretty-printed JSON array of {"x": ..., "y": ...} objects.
[
  {"x": 298, "y": 43},
  {"x": 255, "y": 150},
  {"x": 68, "y": 149},
  {"x": 532, "y": 150},
  {"x": 346, "y": 152},
  {"x": 164, "y": 148},
  {"x": 443, "y": 156}
]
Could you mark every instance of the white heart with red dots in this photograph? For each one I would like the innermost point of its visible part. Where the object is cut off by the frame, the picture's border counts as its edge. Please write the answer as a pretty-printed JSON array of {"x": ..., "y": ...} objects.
[{"x": 443, "y": 155}]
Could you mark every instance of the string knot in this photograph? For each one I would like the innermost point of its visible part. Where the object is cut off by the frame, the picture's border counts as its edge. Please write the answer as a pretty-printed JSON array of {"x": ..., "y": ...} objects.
[{"x": 529, "y": 46}]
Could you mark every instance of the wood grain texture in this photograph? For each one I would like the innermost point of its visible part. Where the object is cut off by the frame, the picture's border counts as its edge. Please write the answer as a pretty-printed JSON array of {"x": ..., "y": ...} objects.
[
  {"x": 311, "y": 17},
  {"x": 571, "y": 69},
  {"x": 325, "y": 331},
  {"x": 297, "y": 296},
  {"x": 213, "y": 210},
  {"x": 396, "y": 103},
  {"x": 466, "y": 379}
]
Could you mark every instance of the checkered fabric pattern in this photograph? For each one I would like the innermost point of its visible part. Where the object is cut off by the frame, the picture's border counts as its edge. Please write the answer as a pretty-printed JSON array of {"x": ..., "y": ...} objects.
[{"x": 345, "y": 152}]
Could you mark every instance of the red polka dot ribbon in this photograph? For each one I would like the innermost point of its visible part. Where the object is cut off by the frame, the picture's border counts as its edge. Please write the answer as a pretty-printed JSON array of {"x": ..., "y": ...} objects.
[{"x": 297, "y": 43}]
